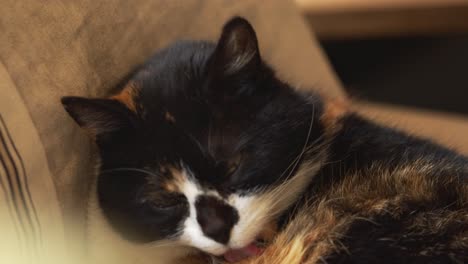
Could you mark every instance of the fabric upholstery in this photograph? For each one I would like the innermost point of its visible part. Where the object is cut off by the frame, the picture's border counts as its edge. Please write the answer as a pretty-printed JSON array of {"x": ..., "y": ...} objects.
[
  {"x": 450, "y": 130},
  {"x": 30, "y": 216}
]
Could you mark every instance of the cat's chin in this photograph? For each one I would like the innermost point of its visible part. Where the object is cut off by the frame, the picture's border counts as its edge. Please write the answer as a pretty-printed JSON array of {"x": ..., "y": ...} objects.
[{"x": 236, "y": 255}]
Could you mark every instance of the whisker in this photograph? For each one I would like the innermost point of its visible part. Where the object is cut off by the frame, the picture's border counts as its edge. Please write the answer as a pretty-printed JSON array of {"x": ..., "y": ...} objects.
[
  {"x": 133, "y": 169},
  {"x": 295, "y": 162},
  {"x": 209, "y": 135},
  {"x": 158, "y": 244}
]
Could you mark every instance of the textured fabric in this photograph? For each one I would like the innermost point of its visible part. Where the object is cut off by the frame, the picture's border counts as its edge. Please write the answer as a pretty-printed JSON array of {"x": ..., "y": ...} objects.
[
  {"x": 30, "y": 220},
  {"x": 447, "y": 129}
]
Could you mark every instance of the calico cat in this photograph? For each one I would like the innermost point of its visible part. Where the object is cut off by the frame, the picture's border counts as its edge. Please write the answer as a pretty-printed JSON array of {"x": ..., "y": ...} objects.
[{"x": 204, "y": 147}]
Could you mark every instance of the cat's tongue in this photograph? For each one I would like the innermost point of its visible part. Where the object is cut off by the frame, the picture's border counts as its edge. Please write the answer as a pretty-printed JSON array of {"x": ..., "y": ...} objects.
[{"x": 235, "y": 255}]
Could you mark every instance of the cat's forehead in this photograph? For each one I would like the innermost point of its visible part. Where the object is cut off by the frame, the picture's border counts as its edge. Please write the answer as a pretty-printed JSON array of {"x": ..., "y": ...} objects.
[
  {"x": 169, "y": 91},
  {"x": 177, "y": 64},
  {"x": 170, "y": 77},
  {"x": 172, "y": 83}
]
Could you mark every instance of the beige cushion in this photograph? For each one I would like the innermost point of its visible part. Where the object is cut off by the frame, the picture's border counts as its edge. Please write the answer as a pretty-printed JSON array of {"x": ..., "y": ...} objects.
[
  {"x": 447, "y": 129},
  {"x": 30, "y": 216}
]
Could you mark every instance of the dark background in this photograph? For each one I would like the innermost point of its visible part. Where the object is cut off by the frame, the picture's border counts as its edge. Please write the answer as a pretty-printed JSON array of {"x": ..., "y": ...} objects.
[{"x": 427, "y": 72}]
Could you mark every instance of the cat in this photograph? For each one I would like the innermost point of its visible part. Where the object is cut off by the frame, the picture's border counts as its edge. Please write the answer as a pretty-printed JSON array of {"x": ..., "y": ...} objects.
[{"x": 205, "y": 148}]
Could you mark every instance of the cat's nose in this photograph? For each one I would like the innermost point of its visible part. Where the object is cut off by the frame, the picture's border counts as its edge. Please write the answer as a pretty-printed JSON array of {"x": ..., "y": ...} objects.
[{"x": 215, "y": 217}]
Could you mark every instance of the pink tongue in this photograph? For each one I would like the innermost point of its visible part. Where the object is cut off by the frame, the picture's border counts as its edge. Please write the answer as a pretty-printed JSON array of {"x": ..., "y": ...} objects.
[{"x": 235, "y": 255}]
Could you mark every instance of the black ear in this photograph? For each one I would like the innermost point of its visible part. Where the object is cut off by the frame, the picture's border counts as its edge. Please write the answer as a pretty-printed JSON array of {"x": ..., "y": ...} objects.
[
  {"x": 99, "y": 117},
  {"x": 237, "y": 49}
]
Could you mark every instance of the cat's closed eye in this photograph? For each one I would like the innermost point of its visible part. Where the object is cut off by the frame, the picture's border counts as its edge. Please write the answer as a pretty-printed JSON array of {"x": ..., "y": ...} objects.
[
  {"x": 160, "y": 201},
  {"x": 233, "y": 164}
]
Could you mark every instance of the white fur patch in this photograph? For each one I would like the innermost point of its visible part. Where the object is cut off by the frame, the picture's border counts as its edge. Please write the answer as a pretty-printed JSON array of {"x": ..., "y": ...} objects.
[
  {"x": 255, "y": 211},
  {"x": 241, "y": 234},
  {"x": 192, "y": 234}
]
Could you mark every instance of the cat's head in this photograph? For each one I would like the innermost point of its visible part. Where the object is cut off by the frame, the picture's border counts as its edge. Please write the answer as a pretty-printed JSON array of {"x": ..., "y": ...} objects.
[{"x": 203, "y": 145}]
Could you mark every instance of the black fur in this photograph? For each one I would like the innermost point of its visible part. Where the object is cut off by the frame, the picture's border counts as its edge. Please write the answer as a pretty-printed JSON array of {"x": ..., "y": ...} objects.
[{"x": 222, "y": 110}]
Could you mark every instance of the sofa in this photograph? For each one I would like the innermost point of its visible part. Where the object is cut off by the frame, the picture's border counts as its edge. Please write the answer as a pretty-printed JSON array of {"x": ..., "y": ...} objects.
[{"x": 49, "y": 49}]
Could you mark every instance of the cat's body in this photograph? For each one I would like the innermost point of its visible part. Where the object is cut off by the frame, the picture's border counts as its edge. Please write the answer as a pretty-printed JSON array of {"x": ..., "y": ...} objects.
[
  {"x": 382, "y": 197},
  {"x": 203, "y": 146}
]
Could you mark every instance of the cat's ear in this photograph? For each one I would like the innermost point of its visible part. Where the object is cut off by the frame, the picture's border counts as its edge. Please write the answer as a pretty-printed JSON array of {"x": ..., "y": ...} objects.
[
  {"x": 237, "y": 49},
  {"x": 98, "y": 117}
]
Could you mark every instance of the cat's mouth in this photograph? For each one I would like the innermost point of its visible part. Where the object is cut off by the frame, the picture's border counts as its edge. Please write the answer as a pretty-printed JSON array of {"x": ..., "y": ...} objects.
[{"x": 236, "y": 255}]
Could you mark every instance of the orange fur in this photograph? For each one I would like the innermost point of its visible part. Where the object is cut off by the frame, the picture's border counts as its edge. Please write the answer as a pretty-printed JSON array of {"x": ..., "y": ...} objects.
[
  {"x": 334, "y": 110},
  {"x": 127, "y": 95}
]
